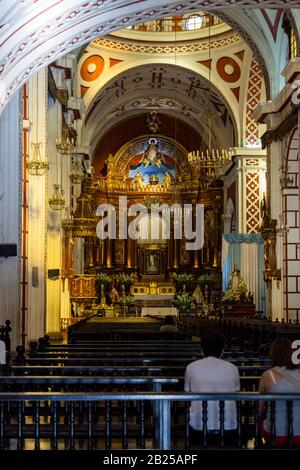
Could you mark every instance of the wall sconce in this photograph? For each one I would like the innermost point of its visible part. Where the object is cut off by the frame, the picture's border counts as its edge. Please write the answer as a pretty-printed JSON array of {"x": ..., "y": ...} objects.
[{"x": 282, "y": 229}]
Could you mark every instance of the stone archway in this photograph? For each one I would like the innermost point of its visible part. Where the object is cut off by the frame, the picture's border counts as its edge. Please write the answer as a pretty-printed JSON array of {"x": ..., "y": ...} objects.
[
  {"x": 290, "y": 199},
  {"x": 64, "y": 26}
]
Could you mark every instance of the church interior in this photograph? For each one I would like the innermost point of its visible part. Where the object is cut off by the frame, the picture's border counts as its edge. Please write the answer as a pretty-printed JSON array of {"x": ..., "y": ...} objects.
[{"x": 149, "y": 168}]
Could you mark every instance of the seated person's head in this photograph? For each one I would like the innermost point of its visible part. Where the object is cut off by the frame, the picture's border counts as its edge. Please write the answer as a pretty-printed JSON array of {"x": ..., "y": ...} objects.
[
  {"x": 169, "y": 320},
  {"x": 212, "y": 344},
  {"x": 281, "y": 353}
]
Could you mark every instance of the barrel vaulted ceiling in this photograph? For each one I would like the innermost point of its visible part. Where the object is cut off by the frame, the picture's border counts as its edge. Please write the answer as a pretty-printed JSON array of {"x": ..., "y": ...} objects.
[{"x": 34, "y": 33}]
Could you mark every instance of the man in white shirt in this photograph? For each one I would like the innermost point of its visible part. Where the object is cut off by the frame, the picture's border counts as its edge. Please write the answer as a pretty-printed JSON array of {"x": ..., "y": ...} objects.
[{"x": 212, "y": 375}]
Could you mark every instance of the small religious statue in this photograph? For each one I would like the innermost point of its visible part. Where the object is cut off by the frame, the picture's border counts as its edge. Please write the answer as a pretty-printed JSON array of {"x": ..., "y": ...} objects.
[
  {"x": 153, "y": 122},
  {"x": 167, "y": 181},
  {"x": 152, "y": 262},
  {"x": 138, "y": 181},
  {"x": 110, "y": 165},
  {"x": 265, "y": 212},
  {"x": 198, "y": 295},
  {"x": 237, "y": 288},
  {"x": 152, "y": 156},
  {"x": 235, "y": 275}
]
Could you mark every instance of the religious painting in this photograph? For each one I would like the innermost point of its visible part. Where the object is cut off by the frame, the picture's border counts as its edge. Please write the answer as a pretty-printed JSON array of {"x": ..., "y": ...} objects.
[
  {"x": 153, "y": 162},
  {"x": 152, "y": 262},
  {"x": 119, "y": 252}
]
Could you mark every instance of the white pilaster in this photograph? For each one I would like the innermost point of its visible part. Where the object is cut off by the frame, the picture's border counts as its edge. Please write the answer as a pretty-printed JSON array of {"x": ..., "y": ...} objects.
[
  {"x": 10, "y": 214},
  {"x": 37, "y": 208},
  {"x": 54, "y": 239}
]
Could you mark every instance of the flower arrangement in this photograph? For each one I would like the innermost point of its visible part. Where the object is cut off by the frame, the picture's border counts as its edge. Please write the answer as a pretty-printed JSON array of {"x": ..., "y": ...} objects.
[
  {"x": 128, "y": 300},
  {"x": 124, "y": 279},
  {"x": 183, "y": 278},
  {"x": 183, "y": 300},
  {"x": 103, "y": 279},
  {"x": 207, "y": 279}
]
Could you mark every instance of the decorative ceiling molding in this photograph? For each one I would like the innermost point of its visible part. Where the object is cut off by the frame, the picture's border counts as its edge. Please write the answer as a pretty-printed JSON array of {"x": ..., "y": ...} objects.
[
  {"x": 159, "y": 83},
  {"x": 35, "y": 35},
  {"x": 145, "y": 48}
]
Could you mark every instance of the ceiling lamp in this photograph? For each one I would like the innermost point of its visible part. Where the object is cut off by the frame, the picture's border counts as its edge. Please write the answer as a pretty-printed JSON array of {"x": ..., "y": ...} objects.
[
  {"x": 36, "y": 166},
  {"x": 206, "y": 161},
  {"x": 64, "y": 144},
  {"x": 57, "y": 201}
]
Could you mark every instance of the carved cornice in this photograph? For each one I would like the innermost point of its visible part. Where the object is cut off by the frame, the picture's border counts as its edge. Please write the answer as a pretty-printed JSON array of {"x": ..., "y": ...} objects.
[
  {"x": 184, "y": 48},
  {"x": 62, "y": 95},
  {"x": 284, "y": 128},
  {"x": 267, "y": 138}
]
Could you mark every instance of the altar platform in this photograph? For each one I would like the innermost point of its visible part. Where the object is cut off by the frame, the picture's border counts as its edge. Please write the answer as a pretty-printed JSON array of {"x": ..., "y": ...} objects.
[{"x": 159, "y": 311}]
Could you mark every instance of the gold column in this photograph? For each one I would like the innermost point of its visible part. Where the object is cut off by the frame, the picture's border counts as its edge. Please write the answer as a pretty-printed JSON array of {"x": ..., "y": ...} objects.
[
  {"x": 133, "y": 253},
  {"x": 216, "y": 255},
  {"x": 196, "y": 252},
  {"x": 90, "y": 249},
  {"x": 129, "y": 247},
  {"x": 196, "y": 259},
  {"x": 175, "y": 252},
  {"x": 170, "y": 244},
  {"x": 108, "y": 252}
]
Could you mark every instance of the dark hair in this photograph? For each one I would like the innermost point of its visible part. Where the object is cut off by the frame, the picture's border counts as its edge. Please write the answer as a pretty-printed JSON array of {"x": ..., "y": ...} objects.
[
  {"x": 212, "y": 344},
  {"x": 169, "y": 320},
  {"x": 281, "y": 353}
]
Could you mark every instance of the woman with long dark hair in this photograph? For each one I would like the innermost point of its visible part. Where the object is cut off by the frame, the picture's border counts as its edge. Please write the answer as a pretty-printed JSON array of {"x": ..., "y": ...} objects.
[{"x": 283, "y": 378}]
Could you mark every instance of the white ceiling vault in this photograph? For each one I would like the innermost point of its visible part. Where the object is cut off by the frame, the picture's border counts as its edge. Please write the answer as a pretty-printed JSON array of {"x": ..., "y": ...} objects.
[
  {"x": 155, "y": 86},
  {"x": 36, "y": 32}
]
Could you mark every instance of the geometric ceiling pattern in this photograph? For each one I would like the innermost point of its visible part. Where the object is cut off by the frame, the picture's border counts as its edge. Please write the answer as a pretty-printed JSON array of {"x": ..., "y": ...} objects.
[{"x": 155, "y": 86}]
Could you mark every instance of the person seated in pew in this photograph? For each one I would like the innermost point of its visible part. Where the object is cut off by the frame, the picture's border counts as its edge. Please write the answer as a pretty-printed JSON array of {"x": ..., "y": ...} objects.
[
  {"x": 283, "y": 377},
  {"x": 169, "y": 325},
  {"x": 212, "y": 375}
]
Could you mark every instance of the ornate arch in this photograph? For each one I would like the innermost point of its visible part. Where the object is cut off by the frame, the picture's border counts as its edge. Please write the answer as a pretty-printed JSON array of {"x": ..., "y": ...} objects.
[
  {"x": 126, "y": 153},
  {"x": 62, "y": 27}
]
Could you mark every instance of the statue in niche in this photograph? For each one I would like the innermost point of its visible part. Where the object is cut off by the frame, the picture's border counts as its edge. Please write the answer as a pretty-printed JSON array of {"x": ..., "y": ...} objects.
[
  {"x": 153, "y": 262},
  {"x": 265, "y": 212},
  {"x": 153, "y": 122},
  {"x": 138, "y": 181},
  {"x": 110, "y": 165},
  {"x": 167, "y": 181},
  {"x": 152, "y": 155}
]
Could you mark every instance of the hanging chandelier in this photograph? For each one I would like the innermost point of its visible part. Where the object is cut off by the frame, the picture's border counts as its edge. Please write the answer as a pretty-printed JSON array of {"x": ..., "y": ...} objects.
[
  {"x": 57, "y": 201},
  {"x": 205, "y": 162},
  {"x": 36, "y": 166},
  {"x": 214, "y": 158},
  {"x": 64, "y": 144}
]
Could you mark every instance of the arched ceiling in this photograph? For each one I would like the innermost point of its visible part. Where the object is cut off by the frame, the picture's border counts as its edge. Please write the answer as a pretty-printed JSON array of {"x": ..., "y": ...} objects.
[
  {"x": 136, "y": 126},
  {"x": 38, "y": 32},
  {"x": 168, "y": 89}
]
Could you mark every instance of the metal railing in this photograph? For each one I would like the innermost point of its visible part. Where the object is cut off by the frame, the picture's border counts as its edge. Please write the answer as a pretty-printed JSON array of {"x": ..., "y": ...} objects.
[{"x": 92, "y": 420}]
